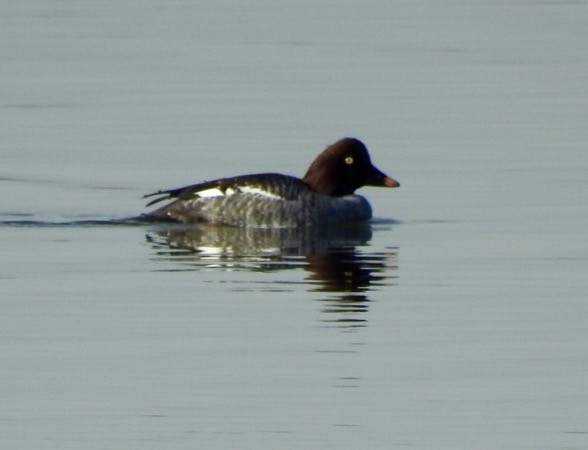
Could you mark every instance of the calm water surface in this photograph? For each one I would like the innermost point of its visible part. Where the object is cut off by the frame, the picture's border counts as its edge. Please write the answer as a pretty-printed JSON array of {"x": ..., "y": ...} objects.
[{"x": 456, "y": 319}]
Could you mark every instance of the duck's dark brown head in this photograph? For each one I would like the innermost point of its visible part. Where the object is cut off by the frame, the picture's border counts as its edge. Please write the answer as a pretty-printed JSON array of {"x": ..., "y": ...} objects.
[{"x": 344, "y": 167}]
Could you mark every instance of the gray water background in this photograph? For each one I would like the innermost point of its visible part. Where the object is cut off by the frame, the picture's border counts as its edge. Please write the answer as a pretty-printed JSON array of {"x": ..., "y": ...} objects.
[{"x": 457, "y": 320}]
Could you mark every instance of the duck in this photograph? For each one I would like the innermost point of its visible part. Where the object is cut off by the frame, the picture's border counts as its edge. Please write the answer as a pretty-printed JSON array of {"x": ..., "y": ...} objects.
[{"x": 324, "y": 196}]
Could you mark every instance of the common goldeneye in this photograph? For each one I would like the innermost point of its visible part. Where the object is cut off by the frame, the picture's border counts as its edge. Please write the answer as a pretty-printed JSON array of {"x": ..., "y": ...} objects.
[{"x": 269, "y": 200}]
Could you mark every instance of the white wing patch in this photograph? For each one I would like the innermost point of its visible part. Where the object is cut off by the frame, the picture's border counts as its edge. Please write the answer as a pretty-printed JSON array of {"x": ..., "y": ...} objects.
[
  {"x": 211, "y": 192},
  {"x": 216, "y": 192},
  {"x": 258, "y": 191}
]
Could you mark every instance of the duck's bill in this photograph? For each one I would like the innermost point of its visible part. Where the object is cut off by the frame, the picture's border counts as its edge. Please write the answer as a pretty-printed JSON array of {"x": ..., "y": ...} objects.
[
  {"x": 391, "y": 182},
  {"x": 378, "y": 178}
]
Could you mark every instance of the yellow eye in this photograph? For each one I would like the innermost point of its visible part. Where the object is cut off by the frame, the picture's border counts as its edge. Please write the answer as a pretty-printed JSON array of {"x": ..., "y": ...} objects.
[{"x": 349, "y": 160}]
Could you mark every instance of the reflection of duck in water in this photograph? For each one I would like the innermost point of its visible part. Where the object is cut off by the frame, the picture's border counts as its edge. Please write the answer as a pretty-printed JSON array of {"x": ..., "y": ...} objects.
[
  {"x": 347, "y": 270},
  {"x": 340, "y": 268},
  {"x": 243, "y": 243},
  {"x": 346, "y": 276},
  {"x": 324, "y": 196},
  {"x": 332, "y": 258}
]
